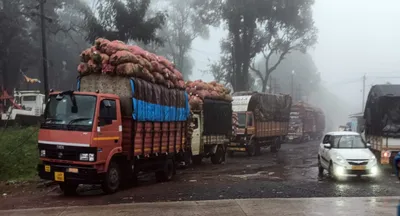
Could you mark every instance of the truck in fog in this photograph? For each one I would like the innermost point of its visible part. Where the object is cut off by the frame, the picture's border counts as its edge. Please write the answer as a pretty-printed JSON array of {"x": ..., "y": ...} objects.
[
  {"x": 110, "y": 130},
  {"x": 306, "y": 123},
  {"x": 382, "y": 122},
  {"x": 212, "y": 130},
  {"x": 262, "y": 121}
]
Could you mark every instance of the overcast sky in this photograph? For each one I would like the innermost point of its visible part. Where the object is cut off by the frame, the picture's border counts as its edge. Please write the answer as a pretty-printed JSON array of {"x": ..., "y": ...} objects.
[{"x": 356, "y": 37}]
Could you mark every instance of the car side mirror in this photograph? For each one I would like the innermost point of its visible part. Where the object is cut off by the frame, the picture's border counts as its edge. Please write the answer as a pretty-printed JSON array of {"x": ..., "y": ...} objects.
[
  {"x": 327, "y": 145},
  {"x": 368, "y": 145}
]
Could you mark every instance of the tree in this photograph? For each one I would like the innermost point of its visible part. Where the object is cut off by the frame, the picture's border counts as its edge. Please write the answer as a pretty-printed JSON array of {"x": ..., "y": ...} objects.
[
  {"x": 305, "y": 73},
  {"x": 124, "y": 20},
  {"x": 16, "y": 45},
  {"x": 289, "y": 27},
  {"x": 257, "y": 26}
]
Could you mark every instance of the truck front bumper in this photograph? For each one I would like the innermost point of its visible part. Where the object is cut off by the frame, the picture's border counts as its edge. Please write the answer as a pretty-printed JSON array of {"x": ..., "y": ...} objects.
[
  {"x": 239, "y": 146},
  {"x": 67, "y": 173}
]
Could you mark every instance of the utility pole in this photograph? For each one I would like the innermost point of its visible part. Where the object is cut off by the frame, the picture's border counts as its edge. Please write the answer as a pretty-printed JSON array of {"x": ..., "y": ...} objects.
[
  {"x": 363, "y": 93},
  {"x": 44, "y": 49},
  {"x": 292, "y": 84}
]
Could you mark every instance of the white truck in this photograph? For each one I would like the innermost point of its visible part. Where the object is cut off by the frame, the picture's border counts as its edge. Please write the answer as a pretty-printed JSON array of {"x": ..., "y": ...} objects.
[
  {"x": 32, "y": 106},
  {"x": 382, "y": 122},
  {"x": 212, "y": 130}
]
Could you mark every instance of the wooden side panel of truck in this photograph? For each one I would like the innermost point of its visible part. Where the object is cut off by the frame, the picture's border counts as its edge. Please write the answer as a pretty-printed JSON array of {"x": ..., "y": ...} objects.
[{"x": 271, "y": 129}]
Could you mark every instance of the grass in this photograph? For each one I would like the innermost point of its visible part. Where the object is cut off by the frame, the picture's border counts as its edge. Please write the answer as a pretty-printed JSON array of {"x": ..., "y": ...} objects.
[{"x": 18, "y": 153}]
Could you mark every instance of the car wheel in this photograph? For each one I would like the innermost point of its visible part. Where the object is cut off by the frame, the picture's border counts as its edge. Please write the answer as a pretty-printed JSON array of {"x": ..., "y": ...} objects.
[
  {"x": 331, "y": 171},
  {"x": 320, "y": 168}
]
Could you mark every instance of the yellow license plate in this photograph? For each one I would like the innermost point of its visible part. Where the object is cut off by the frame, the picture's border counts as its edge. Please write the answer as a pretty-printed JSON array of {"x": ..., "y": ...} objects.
[
  {"x": 236, "y": 149},
  {"x": 47, "y": 168},
  {"x": 384, "y": 160},
  {"x": 59, "y": 176},
  {"x": 358, "y": 168}
]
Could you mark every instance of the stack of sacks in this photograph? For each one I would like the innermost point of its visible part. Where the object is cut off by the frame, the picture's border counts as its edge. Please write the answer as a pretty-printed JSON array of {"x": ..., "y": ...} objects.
[
  {"x": 199, "y": 90},
  {"x": 117, "y": 58}
]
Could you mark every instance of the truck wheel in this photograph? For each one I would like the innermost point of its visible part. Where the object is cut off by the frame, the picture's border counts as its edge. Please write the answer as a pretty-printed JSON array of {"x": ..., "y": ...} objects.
[
  {"x": 112, "y": 179},
  {"x": 251, "y": 149},
  {"x": 197, "y": 159},
  {"x": 167, "y": 173},
  {"x": 69, "y": 189},
  {"x": 218, "y": 157},
  {"x": 276, "y": 146}
]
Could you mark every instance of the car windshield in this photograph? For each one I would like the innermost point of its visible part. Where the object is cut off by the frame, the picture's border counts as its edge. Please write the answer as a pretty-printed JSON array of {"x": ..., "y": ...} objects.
[
  {"x": 62, "y": 112},
  {"x": 349, "y": 141}
]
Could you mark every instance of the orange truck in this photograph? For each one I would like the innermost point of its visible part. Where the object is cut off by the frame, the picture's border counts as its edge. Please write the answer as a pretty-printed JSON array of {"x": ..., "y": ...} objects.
[
  {"x": 110, "y": 130},
  {"x": 262, "y": 120}
]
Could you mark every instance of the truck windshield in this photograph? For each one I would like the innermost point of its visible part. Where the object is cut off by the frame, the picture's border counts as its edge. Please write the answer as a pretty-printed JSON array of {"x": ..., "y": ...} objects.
[
  {"x": 349, "y": 141},
  {"x": 61, "y": 112},
  {"x": 241, "y": 120}
]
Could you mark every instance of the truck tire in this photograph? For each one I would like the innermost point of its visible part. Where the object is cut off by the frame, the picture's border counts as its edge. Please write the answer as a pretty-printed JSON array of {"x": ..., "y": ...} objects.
[
  {"x": 69, "y": 189},
  {"x": 112, "y": 179},
  {"x": 251, "y": 149},
  {"x": 167, "y": 173},
  {"x": 276, "y": 146},
  {"x": 218, "y": 157}
]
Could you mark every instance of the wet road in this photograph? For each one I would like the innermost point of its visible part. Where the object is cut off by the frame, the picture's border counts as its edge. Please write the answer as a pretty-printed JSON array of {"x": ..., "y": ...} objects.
[{"x": 292, "y": 172}]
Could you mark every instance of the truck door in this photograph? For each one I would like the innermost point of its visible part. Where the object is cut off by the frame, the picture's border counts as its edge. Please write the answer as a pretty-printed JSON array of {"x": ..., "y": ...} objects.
[
  {"x": 196, "y": 136},
  {"x": 109, "y": 128}
]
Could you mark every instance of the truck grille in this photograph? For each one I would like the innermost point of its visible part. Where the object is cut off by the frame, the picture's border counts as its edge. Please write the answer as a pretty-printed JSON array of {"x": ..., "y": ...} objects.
[
  {"x": 70, "y": 153},
  {"x": 357, "y": 162}
]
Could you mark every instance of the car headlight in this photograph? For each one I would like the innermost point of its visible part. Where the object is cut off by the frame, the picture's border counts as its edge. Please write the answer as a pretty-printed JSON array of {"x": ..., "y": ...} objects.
[
  {"x": 42, "y": 153},
  {"x": 86, "y": 157},
  {"x": 340, "y": 159}
]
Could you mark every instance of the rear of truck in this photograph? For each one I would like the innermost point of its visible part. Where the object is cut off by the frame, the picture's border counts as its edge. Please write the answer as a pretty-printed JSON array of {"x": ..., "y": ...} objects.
[
  {"x": 306, "y": 123},
  {"x": 382, "y": 122},
  {"x": 263, "y": 121},
  {"x": 212, "y": 130}
]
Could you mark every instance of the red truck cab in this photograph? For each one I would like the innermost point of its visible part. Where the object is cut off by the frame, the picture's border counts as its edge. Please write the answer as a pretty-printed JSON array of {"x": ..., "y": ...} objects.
[{"x": 79, "y": 136}]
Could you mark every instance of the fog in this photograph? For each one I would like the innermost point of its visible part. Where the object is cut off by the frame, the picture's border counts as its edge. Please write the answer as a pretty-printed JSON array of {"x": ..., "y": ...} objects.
[{"x": 355, "y": 37}]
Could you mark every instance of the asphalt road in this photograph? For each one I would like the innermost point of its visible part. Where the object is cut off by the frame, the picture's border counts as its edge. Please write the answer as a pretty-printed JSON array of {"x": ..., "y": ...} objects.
[{"x": 292, "y": 172}]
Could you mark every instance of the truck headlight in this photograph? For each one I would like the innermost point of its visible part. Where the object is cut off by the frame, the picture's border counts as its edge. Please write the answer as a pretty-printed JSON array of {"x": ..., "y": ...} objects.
[
  {"x": 42, "y": 153},
  {"x": 91, "y": 157},
  {"x": 86, "y": 157}
]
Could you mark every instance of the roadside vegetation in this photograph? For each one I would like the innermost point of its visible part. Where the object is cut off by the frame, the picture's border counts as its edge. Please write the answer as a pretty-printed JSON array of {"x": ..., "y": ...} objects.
[{"x": 18, "y": 153}]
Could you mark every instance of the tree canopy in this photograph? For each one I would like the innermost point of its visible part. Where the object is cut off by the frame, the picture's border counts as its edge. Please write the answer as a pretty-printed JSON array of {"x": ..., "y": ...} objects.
[{"x": 258, "y": 26}]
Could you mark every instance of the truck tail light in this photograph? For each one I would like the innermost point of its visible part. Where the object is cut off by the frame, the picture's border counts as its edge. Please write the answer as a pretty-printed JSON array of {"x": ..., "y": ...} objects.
[{"x": 386, "y": 154}]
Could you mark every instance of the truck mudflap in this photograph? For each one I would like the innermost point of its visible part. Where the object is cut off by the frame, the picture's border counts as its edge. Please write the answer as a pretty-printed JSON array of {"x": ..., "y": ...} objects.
[{"x": 64, "y": 173}]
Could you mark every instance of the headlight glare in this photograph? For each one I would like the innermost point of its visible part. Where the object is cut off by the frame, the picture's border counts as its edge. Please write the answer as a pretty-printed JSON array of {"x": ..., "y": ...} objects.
[{"x": 340, "y": 159}]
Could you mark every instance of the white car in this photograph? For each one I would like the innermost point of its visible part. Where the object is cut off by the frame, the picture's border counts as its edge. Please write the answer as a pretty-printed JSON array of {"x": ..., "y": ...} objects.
[{"x": 345, "y": 154}]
